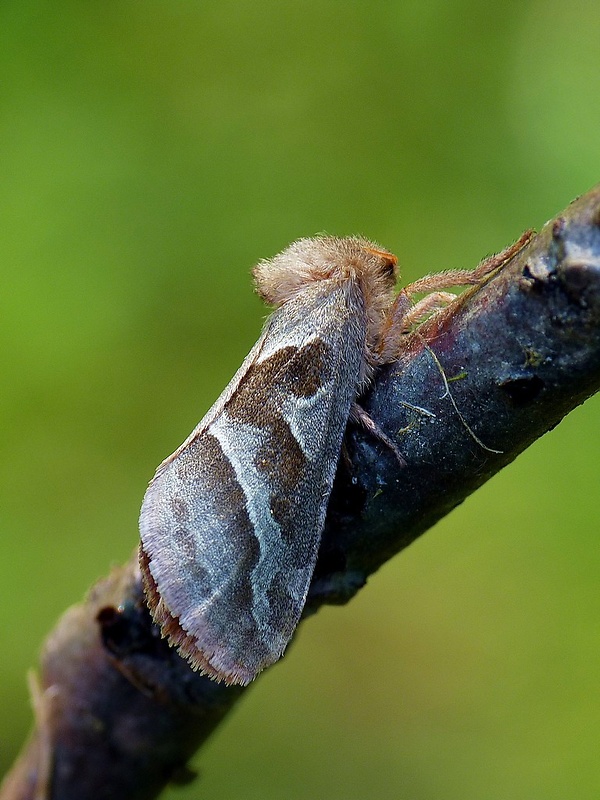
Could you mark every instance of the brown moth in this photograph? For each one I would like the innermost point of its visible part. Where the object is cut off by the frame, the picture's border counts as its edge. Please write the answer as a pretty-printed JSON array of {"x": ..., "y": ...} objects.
[{"x": 231, "y": 522}]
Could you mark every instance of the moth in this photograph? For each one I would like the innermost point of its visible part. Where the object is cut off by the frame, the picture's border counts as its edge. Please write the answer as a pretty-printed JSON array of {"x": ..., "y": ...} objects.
[{"x": 231, "y": 522}]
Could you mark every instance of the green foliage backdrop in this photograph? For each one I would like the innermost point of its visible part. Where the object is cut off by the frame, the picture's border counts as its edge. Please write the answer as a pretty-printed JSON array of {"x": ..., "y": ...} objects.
[{"x": 150, "y": 153}]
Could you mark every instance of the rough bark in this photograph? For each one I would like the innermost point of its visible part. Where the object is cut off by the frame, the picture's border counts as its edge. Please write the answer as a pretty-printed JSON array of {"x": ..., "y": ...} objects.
[{"x": 118, "y": 713}]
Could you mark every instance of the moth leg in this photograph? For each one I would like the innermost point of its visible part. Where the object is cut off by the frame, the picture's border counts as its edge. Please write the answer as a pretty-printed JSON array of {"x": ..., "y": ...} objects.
[
  {"x": 424, "y": 308},
  {"x": 405, "y": 313},
  {"x": 465, "y": 277},
  {"x": 359, "y": 416}
]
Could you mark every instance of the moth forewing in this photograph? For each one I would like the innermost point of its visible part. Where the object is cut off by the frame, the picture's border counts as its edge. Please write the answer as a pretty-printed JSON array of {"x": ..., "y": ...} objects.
[{"x": 231, "y": 523}]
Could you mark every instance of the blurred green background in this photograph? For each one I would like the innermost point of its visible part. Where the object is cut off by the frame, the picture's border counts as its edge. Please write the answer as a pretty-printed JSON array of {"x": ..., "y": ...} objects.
[{"x": 150, "y": 153}]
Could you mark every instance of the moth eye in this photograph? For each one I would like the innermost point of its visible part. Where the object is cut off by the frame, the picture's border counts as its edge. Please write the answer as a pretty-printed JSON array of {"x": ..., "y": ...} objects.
[
  {"x": 390, "y": 262},
  {"x": 390, "y": 265}
]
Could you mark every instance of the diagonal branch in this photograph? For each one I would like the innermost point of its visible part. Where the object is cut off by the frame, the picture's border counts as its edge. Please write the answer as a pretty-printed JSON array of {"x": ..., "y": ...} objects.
[{"x": 118, "y": 713}]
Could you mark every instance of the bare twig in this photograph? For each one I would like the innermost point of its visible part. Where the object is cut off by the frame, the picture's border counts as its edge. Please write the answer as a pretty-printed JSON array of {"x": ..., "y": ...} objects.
[{"x": 118, "y": 713}]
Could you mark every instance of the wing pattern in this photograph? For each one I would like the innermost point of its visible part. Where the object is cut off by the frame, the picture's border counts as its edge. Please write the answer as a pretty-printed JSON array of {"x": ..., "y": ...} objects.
[{"x": 232, "y": 521}]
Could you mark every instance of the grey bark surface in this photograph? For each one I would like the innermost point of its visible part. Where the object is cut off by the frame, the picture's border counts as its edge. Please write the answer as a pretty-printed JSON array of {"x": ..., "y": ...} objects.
[{"x": 118, "y": 713}]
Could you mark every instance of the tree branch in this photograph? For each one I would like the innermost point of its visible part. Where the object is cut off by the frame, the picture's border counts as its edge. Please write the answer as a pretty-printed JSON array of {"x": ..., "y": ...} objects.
[{"x": 118, "y": 713}]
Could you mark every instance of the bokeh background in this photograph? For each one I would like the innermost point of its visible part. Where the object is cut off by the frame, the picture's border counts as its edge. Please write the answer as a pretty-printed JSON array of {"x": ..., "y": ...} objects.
[{"x": 150, "y": 153}]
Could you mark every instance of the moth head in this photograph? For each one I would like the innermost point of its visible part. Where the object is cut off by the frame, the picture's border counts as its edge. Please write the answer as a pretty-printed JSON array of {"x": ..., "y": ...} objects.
[{"x": 327, "y": 258}]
